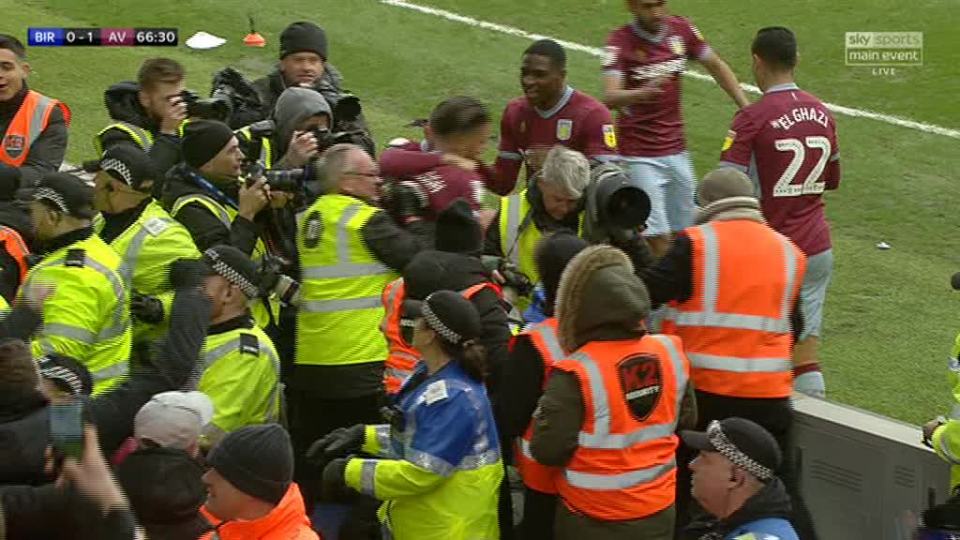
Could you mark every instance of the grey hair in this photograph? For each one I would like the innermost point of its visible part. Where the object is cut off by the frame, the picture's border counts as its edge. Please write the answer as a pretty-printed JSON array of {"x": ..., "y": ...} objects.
[
  {"x": 332, "y": 164},
  {"x": 566, "y": 169}
]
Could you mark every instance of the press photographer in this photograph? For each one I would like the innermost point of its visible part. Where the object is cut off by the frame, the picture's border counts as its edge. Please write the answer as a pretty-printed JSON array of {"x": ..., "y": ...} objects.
[
  {"x": 303, "y": 63},
  {"x": 147, "y": 113},
  {"x": 602, "y": 206}
]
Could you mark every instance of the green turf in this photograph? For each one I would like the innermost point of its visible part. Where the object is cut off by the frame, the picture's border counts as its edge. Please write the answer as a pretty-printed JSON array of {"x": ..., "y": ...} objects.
[{"x": 890, "y": 314}]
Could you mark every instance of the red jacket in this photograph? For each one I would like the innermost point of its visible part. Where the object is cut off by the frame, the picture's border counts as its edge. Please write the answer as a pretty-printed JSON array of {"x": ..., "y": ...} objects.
[{"x": 287, "y": 521}]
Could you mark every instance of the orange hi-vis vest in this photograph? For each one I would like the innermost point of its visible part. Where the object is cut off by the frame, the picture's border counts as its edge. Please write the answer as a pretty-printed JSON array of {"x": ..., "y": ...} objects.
[
  {"x": 31, "y": 119},
  {"x": 535, "y": 475},
  {"x": 624, "y": 467},
  {"x": 736, "y": 324},
  {"x": 14, "y": 245},
  {"x": 402, "y": 358}
]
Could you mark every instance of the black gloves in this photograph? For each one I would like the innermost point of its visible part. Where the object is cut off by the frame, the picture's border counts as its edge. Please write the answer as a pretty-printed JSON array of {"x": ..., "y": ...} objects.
[
  {"x": 148, "y": 309},
  {"x": 333, "y": 486},
  {"x": 336, "y": 444},
  {"x": 187, "y": 273}
]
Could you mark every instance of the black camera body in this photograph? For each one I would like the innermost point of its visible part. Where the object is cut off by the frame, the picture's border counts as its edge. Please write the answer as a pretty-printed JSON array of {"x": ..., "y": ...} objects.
[
  {"x": 513, "y": 278},
  {"x": 287, "y": 180},
  {"x": 326, "y": 138},
  {"x": 219, "y": 107},
  {"x": 616, "y": 206},
  {"x": 273, "y": 280}
]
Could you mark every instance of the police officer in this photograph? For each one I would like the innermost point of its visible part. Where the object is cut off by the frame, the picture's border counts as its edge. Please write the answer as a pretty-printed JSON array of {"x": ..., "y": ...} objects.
[
  {"x": 349, "y": 251},
  {"x": 737, "y": 327},
  {"x": 33, "y": 127},
  {"x": 87, "y": 315},
  {"x": 240, "y": 369},
  {"x": 943, "y": 434},
  {"x": 303, "y": 62},
  {"x": 612, "y": 405},
  {"x": 441, "y": 464},
  {"x": 147, "y": 113},
  {"x": 140, "y": 230}
]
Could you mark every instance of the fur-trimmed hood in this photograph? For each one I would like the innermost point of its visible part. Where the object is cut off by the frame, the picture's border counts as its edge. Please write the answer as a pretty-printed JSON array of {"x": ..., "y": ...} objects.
[{"x": 600, "y": 298}]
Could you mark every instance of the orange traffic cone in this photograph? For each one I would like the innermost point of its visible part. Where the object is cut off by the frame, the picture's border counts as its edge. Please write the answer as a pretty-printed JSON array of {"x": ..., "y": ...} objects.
[{"x": 254, "y": 39}]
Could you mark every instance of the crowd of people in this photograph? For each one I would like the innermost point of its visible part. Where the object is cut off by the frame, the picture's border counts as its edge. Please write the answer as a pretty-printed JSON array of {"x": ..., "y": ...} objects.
[{"x": 260, "y": 324}]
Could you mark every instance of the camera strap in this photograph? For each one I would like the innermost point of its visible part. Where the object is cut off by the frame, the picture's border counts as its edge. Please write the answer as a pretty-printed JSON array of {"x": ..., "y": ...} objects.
[
  {"x": 213, "y": 191},
  {"x": 524, "y": 223}
]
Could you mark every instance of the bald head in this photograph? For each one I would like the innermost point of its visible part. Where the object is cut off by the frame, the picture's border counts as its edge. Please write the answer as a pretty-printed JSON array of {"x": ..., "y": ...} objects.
[{"x": 724, "y": 183}]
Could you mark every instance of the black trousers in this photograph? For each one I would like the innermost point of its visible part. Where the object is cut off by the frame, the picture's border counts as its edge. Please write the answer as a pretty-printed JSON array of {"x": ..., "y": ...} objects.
[
  {"x": 776, "y": 416},
  {"x": 312, "y": 417},
  {"x": 539, "y": 513}
]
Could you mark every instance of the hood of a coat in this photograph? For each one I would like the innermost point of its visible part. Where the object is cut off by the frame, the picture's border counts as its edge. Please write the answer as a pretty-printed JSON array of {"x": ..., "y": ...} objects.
[
  {"x": 23, "y": 442},
  {"x": 295, "y": 105},
  {"x": 123, "y": 104},
  {"x": 599, "y": 295}
]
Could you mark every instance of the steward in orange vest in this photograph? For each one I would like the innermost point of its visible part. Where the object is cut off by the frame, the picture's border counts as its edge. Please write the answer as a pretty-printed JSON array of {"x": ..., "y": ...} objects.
[
  {"x": 533, "y": 353},
  {"x": 33, "y": 127},
  {"x": 731, "y": 283},
  {"x": 612, "y": 407}
]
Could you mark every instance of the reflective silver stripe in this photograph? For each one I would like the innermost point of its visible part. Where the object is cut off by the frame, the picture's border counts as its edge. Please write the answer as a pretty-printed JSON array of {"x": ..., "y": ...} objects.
[
  {"x": 142, "y": 137},
  {"x": 133, "y": 253},
  {"x": 350, "y": 304},
  {"x": 215, "y": 354},
  {"x": 474, "y": 462},
  {"x": 525, "y": 448},
  {"x": 711, "y": 282},
  {"x": 955, "y": 412},
  {"x": 119, "y": 369},
  {"x": 514, "y": 202},
  {"x": 740, "y": 365},
  {"x": 397, "y": 373},
  {"x": 441, "y": 467},
  {"x": 549, "y": 335},
  {"x": 35, "y": 128},
  {"x": 221, "y": 212},
  {"x": 120, "y": 323},
  {"x": 344, "y": 270},
  {"x": 70, "y": 332},
  {"x": 618, "y": 481},
  {"x": 601, "y": 438},
  {"x": 368, "y": 477},
  {"x": 382, "y": 432},
  {"x": 513, "y": 156}
]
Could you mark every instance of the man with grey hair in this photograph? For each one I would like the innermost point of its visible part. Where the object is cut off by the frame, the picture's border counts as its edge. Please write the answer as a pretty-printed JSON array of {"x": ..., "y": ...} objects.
[
  {"x": 349, "y": 250},
  {"x": 552, "y": 202}
]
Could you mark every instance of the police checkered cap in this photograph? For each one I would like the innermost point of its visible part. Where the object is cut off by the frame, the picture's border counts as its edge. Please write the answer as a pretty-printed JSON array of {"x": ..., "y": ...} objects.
[
  {"x": 452, "y": 316},
  {"x": 746, "y": 444},
  {"x": 129, "y": 164},
  {"x": 47, "y": 194},
  {"x": 67, "y": 373},
  {"x": 231, "y": 264},
  {"x": 67, "y": 193}
]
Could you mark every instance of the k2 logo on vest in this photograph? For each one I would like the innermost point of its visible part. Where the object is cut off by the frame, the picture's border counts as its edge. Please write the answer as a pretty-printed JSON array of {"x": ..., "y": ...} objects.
[
  {"x": 642, "y": 382},
  {"x": 13, "y": 145}
]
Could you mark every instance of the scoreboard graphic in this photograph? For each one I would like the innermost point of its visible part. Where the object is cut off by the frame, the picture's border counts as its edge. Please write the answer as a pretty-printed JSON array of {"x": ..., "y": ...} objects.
[{"x": 103, "y": 37}]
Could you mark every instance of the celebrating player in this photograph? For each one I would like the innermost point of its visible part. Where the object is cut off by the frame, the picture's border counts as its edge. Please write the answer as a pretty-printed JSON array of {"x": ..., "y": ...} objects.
[
  {"x": 642, "y": 67},
  {"x": 787, "y": 142},
  {"x": 550, "y": 113}
]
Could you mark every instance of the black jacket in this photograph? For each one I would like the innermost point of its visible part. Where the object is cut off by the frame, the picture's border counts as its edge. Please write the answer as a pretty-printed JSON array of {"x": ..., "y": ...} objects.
[
  {"x": 330, "y": 86},
  {"x": 46, "y": 153},
  {"x": 770, "y": 502},
  {"x": 206, "y": 228},
  {"x": 123, "y": 105},
  {"x": 539, "y": 218}
]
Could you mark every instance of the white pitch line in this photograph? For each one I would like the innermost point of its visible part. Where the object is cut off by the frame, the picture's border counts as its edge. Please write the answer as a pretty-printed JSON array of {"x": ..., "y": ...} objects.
[{"x": 595, "y": 51}]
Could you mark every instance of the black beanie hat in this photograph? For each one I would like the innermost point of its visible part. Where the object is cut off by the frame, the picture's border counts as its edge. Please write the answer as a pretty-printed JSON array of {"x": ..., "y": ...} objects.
[
  {"x": 165, "y": 490},
  {"x": 551, "y": 256},
  {"x": 129, "y": 164},
  {"x": 458, "y": 231},
  {"x": 303, "y": 36},
  {"x": 203, "y": 140},
  {"x": 452, "y": 316},
  {"x": 257, "y": 460}
]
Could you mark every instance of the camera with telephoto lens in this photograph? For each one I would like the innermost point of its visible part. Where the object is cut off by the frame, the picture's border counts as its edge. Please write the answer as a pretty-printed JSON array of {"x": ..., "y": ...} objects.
[
  {"x": 287, "y": 180},
  {"x": 218, "y": 107},
  {"x": 274, "y": 281},
  {"x": 228, "y": 83},
  {"x": 616, "y": 206},
  {"x": 326, "y": 138}
]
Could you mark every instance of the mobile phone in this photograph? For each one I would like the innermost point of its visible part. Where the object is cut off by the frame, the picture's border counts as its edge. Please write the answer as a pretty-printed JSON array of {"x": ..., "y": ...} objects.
[{"x": 66, "y": 428}]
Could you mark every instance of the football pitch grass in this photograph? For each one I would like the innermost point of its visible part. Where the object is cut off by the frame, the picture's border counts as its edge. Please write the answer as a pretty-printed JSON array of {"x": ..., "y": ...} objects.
[{"x": 890, "y": 315}]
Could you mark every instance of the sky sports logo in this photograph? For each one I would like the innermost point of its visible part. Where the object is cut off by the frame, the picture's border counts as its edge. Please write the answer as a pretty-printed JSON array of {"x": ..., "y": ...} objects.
[{"x": 884, "y": 49}]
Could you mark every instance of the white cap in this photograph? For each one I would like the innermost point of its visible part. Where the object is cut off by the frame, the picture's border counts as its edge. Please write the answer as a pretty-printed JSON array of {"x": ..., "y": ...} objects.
[{"x": 173, "y": 419}]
